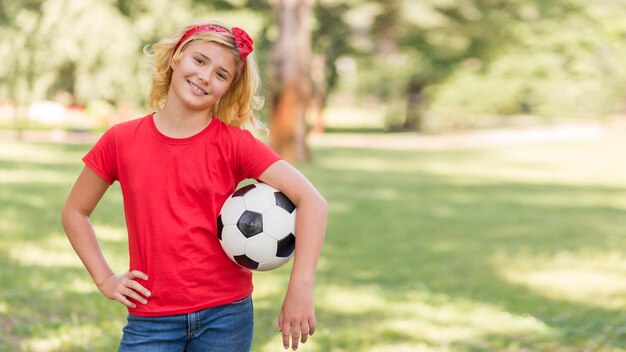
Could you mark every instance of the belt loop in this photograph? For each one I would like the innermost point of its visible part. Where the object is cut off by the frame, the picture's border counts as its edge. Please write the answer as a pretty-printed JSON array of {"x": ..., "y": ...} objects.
[{"x": 192, "y": 325}]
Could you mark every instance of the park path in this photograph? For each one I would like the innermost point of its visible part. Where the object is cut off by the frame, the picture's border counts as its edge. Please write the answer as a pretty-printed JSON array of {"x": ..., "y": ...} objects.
[{"x": 558, "y": 132}]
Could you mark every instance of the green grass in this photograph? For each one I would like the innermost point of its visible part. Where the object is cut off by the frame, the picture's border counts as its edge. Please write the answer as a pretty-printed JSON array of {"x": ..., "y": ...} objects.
[{"x": 516, "y": 248}]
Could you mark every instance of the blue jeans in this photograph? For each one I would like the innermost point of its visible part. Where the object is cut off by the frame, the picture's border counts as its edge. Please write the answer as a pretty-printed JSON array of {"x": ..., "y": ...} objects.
[{"x": 226, "y": 328}]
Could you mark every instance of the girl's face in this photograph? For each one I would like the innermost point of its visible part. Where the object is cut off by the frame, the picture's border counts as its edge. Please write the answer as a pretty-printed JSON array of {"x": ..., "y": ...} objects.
[{"x": 203, "y": 73}]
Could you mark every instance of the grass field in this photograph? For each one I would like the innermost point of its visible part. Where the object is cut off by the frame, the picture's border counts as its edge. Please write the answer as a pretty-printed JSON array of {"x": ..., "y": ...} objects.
[{"x": 510, "y": 248}]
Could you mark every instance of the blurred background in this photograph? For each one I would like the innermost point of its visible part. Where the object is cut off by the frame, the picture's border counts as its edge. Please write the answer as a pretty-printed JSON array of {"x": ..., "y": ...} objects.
[
  {"x": 472, "y": 153},
  {"x": 397, "y": 65}
]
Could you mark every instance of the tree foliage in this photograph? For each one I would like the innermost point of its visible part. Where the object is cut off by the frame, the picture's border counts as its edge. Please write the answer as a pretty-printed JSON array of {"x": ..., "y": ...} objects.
[
  {"x": 434, "y": 64},
  {"x": 452, "y": 59}
]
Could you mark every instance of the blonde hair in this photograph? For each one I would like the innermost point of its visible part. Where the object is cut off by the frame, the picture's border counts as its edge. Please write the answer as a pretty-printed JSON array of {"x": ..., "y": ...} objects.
[{"x": 236, "y": 107}]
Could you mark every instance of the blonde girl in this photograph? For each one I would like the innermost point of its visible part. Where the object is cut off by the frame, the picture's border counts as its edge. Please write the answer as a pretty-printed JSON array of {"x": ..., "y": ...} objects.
[{"x": 176, "y": 167}]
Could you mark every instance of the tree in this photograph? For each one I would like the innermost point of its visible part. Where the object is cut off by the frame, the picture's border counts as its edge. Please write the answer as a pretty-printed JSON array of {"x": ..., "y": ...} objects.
[
  {"x": 568, "y": 65},
  {"x": 50, "y": 49},
  {"x": 420, "y": 44},
  {"x": 313, "y": 54},
  {"x": 20, "y": 28},
  {"x": 331, "y": 40},
  {"x": 290, "y": 79}
]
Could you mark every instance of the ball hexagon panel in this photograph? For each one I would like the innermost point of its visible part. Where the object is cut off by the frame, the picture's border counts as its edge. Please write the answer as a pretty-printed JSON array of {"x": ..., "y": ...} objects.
[
  {"x": 261, "y": 248},
  {"x": 250, "y": 223},
  {"x": 246, "y": 262},
  {"x": 243, "y": 190},
  {"x": 284, "y": 202},
  {"x": 220, "y": 227},
  {"x": 233, "y": 241},
  {"x": 260, "y": 199},
  {"x": 232, "y": 210},
  {"x": 278, "y": 223},
  {"x": 286, "y": 246}
]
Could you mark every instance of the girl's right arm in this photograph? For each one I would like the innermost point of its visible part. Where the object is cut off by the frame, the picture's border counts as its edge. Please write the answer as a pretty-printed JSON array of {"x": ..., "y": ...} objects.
[{"x": 82, "y": 200}]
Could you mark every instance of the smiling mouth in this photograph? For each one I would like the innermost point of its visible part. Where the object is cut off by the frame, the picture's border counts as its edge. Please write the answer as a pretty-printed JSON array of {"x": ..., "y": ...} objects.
[{"x": 196, "y": 89}]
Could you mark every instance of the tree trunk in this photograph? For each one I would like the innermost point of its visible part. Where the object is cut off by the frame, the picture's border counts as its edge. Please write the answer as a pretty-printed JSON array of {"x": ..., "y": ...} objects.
[
  {"x": 318, "y": 95},
  {"x": 290, "y": 83},
  {"x": 24, "y": 67},
  {"x": 414, "y": 105}
]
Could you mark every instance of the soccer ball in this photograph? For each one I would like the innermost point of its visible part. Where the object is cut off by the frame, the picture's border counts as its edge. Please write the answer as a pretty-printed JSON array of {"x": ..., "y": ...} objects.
[{"x": 256, "y": 227}]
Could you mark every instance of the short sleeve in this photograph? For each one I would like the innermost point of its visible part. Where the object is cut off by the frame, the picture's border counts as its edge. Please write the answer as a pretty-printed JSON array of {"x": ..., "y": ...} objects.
[
  {"x": 102, "y": 158},
  {"x": 253, "y": 156}
]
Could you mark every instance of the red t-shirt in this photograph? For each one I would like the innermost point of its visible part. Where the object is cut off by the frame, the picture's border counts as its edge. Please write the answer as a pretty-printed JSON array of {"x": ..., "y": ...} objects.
[{"x": 173, "y": 190}]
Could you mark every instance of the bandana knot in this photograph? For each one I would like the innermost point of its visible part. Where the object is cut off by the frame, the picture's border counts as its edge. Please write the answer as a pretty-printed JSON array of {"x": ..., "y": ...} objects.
[{"x": 242, "y": 39}]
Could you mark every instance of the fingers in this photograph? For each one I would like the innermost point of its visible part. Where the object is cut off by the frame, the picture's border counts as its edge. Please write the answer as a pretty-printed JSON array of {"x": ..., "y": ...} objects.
[
  {"x": 308, "y": 329},
  {"x": 295, "y": 333},
  {"x": 304, "y": 332},
  {"x": 130, "y": 293},
  {"x": 136, "y": 274},
  {"x": 296, "y": 320},
  {"x": 286, "y": 337},
  {"x": 137, "y": 287},
  {"x": 295, "y": 336},
  {"x": 129, "y": 289},
  {"x": 311, "y": 327},
  {"x": 123, "y": 300}
]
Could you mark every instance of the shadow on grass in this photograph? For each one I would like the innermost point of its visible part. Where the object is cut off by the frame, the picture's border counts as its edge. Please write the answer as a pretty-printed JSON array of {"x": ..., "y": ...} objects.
[
  {"x": 45, "y": 292},
  {"x": 57, "y": 304},
  {"x": 420, "y": 232},
  {"x": 405, "y": 245}
]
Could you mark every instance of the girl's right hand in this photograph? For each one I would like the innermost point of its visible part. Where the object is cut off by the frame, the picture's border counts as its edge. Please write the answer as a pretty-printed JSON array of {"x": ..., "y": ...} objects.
[{"x": 122, "y": 287}]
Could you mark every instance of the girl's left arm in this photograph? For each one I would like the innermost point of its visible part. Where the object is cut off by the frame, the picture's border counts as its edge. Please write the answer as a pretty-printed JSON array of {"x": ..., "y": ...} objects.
[{"x": 297, "y": 315}]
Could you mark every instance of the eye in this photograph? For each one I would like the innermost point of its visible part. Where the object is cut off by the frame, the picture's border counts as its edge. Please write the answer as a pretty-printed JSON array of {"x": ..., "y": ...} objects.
[
  {"x": 198, "y": 60},
  {"x": 221, "y": 75}
]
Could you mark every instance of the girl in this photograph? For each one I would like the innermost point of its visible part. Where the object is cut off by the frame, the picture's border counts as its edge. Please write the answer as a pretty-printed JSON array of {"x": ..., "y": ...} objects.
[{"x": 176, "y": 167}]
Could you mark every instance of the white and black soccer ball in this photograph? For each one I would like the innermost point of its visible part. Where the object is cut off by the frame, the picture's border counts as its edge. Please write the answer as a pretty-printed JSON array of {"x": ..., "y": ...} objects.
[{"x": 256, "y": 227}]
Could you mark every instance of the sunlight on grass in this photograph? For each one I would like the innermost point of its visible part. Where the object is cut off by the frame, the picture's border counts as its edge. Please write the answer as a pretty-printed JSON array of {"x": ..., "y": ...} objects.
[
  {"x": 511, "y": 248},
  {"x": 554, "y": 163},
  {"x": 113, "y": 240},
  {"x": 275, "y": 344},
  {"x": 599, "y": 198},
  {"x": 366, "y": 164},
  {"x": 33, "y": 152},
  {"x": 403, "y": 347},
  {"x": 351, "y": 300},
  {"x": 80, "y": 285},
  {"x": 54, "y": 251},
  {"x": 421, "y": 323},
  {"x": 42, "y": 345},
  {"x": 597, "y": 279},
  {"x": 74, "y": 336},
  {"x": 339, "y": 207},
  {"x": 452, "y": 321},
  {"x": 367, "y": 117},
  {"x": 268, "y": 284},
  {"x": 28, "y": 176},
  {"x": 107, "y": 232}
]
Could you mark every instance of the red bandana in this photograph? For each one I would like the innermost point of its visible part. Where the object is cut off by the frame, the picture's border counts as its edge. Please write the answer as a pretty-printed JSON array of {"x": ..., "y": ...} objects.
[{"x": 242, "y": 39}]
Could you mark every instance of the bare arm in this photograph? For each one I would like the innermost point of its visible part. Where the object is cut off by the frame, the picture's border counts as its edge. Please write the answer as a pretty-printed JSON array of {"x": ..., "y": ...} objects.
[
  {"x": 297, "y": 316},
  {"x": 82, "y": 200}
]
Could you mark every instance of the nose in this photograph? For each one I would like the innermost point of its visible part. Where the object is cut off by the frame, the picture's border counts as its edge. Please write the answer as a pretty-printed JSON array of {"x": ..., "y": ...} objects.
[{"x": 203, "y": 76}]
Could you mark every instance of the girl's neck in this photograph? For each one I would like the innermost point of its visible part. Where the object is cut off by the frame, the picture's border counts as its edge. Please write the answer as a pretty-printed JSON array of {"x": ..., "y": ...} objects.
[{"x": 181, "y": 123}]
